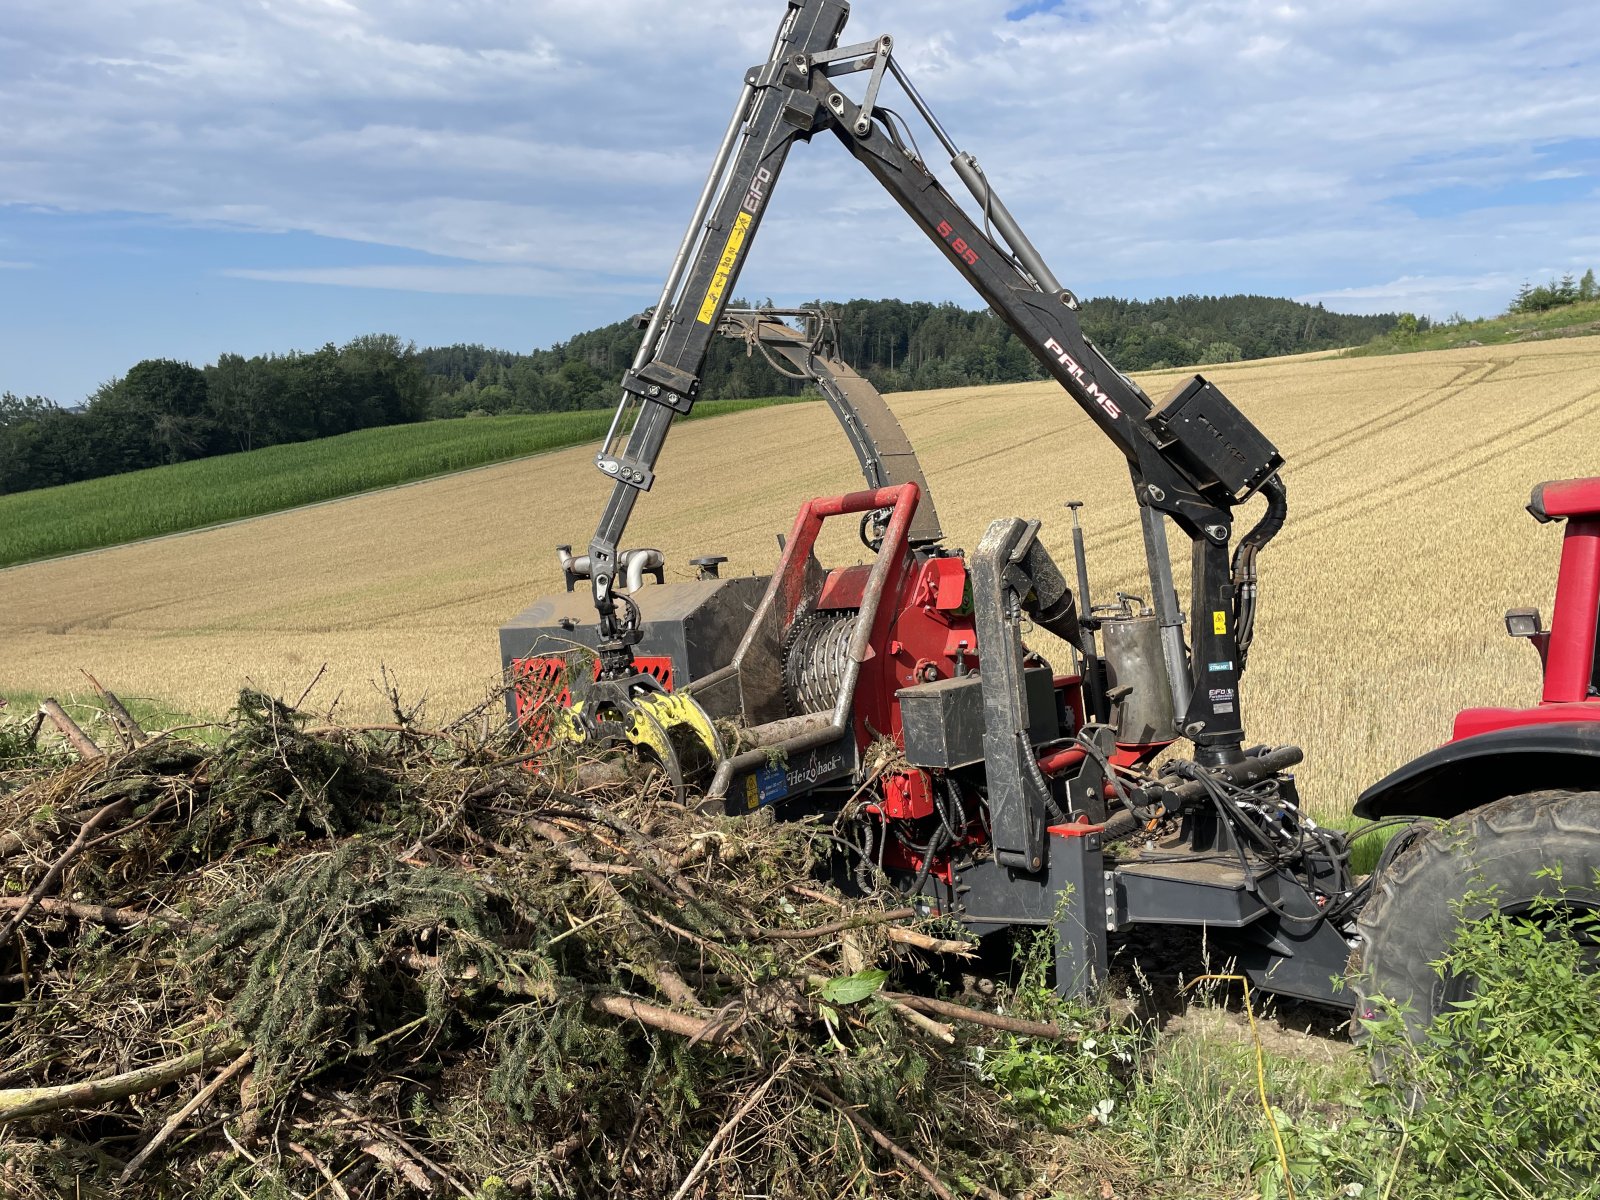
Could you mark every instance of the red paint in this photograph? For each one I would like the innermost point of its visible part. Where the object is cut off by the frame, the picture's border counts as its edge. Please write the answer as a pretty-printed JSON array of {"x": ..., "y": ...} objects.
[
  {"x": 845, "y": 587},
  {"x": 1079, "y": 828},
  {"x": 907, "y": 796},
  {"x": 539, "y": 688},
  {"x": 1568, "y": 650},
  {"x": 958, "y": 245},
  {"x": 1569, "y": 666},
  {"x": 1571, "y": 498},
  {"x": 1062, "y": 760}
]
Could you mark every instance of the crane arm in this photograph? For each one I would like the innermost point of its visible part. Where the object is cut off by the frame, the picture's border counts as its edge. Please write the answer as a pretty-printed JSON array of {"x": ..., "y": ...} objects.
[{"x": 1192, "y": 458}]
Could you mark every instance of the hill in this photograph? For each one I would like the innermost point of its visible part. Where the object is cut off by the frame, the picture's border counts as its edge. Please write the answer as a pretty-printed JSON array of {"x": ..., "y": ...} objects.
[{"x": 109, "y": 511}]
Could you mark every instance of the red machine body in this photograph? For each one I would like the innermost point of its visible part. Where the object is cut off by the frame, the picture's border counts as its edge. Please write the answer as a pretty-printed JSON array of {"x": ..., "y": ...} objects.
[
  {"x": 1570, "y": 649},
  {"x": 1495, "y": 753}
]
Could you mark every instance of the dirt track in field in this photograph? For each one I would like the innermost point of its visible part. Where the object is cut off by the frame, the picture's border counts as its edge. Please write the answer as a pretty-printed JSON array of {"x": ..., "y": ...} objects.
[{"x": 1382, "y": 599}]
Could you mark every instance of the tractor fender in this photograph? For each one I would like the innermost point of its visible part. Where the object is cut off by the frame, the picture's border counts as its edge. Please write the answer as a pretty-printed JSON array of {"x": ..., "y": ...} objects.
[{"x": 1478, "y": 770}]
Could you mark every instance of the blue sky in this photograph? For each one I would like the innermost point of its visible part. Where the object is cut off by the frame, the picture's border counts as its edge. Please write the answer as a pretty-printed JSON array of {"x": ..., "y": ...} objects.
[{"x": 186, "y": 177}]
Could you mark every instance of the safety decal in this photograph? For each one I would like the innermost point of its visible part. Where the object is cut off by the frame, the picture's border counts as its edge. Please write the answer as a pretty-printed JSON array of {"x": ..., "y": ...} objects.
[
  {"x": 730, "y": 255},
  {"x": 1219, "y": 622}
]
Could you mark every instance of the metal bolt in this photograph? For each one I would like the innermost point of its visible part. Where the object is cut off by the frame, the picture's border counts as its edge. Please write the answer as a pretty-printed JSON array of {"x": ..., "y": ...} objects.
[
  {"x": 1217, "y": 533},
  {"x": 653, "y": 390},
  {"x": 836, "y": 102},
  {"x": 1155, "y": 493},
  {"x": 672, "y": 397}
]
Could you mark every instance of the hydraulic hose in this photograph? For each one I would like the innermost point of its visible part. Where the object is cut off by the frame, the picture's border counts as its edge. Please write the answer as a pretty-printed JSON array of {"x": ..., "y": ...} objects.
[{"x": 1245, "y": 585}]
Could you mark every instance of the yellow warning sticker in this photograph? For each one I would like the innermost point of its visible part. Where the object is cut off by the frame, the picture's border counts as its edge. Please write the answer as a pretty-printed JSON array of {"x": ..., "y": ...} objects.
[
  {"x": 1219, "y": 622},
  {"x": 730, "y": 255}
]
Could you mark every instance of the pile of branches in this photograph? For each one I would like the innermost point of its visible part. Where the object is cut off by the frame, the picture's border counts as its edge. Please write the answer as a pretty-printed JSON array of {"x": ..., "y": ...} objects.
[{"x": 296, "y": 958}]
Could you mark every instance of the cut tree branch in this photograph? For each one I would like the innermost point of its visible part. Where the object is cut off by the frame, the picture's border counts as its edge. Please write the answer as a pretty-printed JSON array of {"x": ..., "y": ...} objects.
[
  {"x": 81, "y": 741},
  {"x": 120, "y": 716},
  {"x": 104, "y": 914},
  {"x": 666, "y": 1019},
  {"x": 170, "y": 1126},
  {"x": 917, "y": 1167},
  {"x": 16, "y": 1103}
]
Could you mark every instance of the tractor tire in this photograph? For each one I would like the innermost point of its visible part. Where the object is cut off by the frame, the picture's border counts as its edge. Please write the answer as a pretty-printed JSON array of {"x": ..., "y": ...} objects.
[{"x": 1410, "y": 921}]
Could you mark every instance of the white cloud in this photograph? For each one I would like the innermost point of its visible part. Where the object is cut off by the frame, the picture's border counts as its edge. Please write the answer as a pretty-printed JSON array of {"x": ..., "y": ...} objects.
[
  {"x": 448, "y": 280},
  {"x": 1417, "y": 293},
  {"x": 1148, "y": 145}
]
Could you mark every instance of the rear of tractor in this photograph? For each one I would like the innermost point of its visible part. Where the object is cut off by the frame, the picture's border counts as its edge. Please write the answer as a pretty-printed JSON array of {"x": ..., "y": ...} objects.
[{"x": 1514, "y": 794}]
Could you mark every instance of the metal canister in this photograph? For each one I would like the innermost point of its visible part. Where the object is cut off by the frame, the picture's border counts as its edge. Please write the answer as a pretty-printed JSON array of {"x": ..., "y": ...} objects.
[{"x": 1134, "y": 660}]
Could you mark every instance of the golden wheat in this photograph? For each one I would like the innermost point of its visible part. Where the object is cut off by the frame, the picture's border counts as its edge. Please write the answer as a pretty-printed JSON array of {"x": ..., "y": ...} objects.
[{"x": 1381, "y": 600}]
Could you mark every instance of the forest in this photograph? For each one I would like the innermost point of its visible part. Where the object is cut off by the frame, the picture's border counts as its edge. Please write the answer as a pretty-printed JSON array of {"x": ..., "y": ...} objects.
[{"x": 164, "y": 411}]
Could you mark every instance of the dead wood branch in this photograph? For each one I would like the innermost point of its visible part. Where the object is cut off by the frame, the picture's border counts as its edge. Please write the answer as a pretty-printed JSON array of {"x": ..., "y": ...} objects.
[
  {"x": 172, "y": 1123},
  {"x": 51, "y": 877},
  {"x": 321, "y": 1168},
  {"x": 744, "y": 1110},
  {"x": 926, "y": 941},
  {"x": 665, "y": 1019},
  {"x": 821, "y": 931},
  {"x": 16, "y": 1103},
  {"x": 978, "y": 1016},
  {"x": 104, "y": 914},
  {"x": 906, "y": 1159},
  {"x": 81, "y": 741},
  {"x": 131, "y": 733}
]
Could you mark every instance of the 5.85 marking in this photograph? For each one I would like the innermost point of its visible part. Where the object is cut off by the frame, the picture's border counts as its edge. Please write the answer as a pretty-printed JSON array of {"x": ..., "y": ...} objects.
[{"x": 963, "y": 251}]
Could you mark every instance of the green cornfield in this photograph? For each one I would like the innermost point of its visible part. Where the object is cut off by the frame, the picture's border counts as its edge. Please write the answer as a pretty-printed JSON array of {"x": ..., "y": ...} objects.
[{"x": 209, "y": 491}]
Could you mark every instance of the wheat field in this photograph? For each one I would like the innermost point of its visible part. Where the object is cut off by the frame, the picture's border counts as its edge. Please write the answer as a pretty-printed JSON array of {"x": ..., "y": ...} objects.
[{"x": 1381, "y": 603}]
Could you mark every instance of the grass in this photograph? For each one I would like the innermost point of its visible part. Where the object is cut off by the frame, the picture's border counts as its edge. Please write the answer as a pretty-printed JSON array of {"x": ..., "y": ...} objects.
[
  {"x": 85, "y": 707},
  {"x": 1381, "y": 600},
  {"x": 162, "y": 500},
  {"x": 1570, "y": 320}
]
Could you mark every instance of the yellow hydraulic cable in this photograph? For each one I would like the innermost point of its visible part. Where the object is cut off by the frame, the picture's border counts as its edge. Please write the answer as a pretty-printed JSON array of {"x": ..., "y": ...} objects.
[{"x": 1261, "y": 1072}]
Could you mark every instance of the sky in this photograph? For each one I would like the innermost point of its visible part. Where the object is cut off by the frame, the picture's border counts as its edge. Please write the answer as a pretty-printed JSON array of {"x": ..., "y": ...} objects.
[{"x": 183, "y": 178}]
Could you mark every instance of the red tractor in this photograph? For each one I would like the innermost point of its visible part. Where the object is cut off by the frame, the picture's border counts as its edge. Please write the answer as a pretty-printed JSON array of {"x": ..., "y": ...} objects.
[{"x": 1520, "y": 787}]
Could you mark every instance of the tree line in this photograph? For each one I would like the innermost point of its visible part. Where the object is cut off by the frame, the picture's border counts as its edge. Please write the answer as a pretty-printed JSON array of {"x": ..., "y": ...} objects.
[
  {"x": 164, "y": 411},
  {"x": 1556, "y": 293},
  {"x": 902, "y": 345}
]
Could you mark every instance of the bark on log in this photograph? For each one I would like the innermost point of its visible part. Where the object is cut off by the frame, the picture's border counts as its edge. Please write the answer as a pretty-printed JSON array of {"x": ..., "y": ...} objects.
[
  {"x": 104, "y": 914},
  {"x": 16, "y": 1103},
  {"x": 120, "y": 716},
  {"x": 659, "y": 1018},
  {"x": 81, "y": 741},
  {"x": 978, "y": 1016}
]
